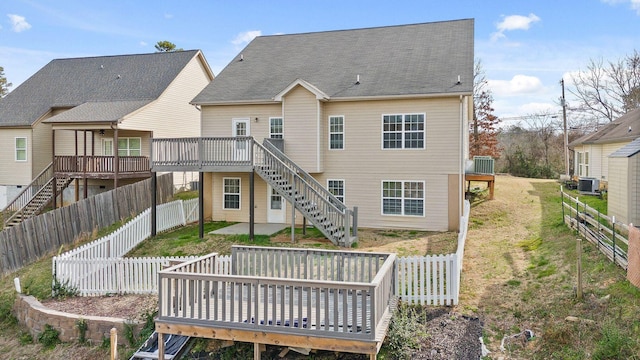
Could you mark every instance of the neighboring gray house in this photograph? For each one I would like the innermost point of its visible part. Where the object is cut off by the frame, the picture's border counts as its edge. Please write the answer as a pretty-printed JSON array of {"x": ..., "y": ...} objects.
[
  {"x": 610, "y": 155},
  {"x": 378, "y": 116},
  {"x": 88, "y": 121}
]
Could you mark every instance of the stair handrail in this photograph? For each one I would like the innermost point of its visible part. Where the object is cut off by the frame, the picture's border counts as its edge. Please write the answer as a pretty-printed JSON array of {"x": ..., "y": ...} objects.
[
  {"x": 46, "y": 173},
  {"x": 350, "y": 228},
  {"x": 273, "y": 150}
]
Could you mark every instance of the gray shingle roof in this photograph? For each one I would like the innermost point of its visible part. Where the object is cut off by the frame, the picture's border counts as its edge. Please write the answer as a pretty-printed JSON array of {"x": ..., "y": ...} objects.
[
  {"x": 624, "y": 128},
  {"x": 628, "y": 150},
  {"x": 75, "y": 81},
  {"x": 403, "y": 60}
]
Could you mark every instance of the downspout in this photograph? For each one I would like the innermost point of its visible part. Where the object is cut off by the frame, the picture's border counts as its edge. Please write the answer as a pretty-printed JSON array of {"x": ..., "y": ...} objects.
[{"x": 461, "y": 175}]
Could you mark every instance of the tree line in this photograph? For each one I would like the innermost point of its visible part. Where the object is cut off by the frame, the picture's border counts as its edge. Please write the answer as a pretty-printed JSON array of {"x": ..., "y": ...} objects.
[{"x": 603, "y": 92}]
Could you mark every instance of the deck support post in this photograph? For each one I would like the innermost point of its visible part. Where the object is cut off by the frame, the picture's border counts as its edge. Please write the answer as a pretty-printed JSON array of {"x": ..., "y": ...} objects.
[
  {"x": 252, "y": 201},
  {"x": 256, "y": 351},
  {"x": 160, "y": 346},
  {"x": 201, "y": 204},
  {"x": 54, "y": 189},
  {"x": 154, "y": 202}
]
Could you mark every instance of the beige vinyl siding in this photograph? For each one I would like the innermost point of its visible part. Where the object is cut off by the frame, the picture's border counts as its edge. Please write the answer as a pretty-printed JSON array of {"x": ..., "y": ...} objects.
[
  {"x": 218, "y": 120},
  {"x": 66, "y": 141},
  {"x": 618, "y": 199},
  {"x": 242, "y": 215},
  {"x": 41, "y": 147},
  {"x": 364, "y": 164},
  {"x": 303, "y": 129},
  {"x": 634, "y": 190},
  {"x": 14, "y": 172},
  {"x": 171, "y": 115},
  {"x": 606, "y": 150}
]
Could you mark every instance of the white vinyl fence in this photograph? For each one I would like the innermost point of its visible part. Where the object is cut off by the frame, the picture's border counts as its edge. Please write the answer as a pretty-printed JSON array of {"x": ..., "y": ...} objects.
[
  {"x": 433, "y": 279},
  {"x": 98, "y": 268}
]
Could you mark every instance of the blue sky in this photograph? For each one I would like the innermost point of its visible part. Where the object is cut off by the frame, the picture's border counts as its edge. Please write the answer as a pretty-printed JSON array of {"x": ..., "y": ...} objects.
[{"x": 525, "y": 47}]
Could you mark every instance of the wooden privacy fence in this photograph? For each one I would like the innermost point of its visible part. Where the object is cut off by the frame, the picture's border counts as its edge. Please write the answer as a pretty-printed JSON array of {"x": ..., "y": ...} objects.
[
  {"x": 609, "y": 235},
  {"x": 98, "y": 268},
  {"x": 433, "y": 279},
  {"x": 41, "y": 235}
]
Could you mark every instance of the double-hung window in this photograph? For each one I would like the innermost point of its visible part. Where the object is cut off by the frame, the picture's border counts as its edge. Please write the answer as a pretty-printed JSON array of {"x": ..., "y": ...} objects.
[
  {"x": 231, "y": 193},
  {"x": 403, "y": 131},
  {"x": 336, "y": 132},
  {"x": 21, "y": 149},
  {"x": 276, "y": 128},
  {"x": 336, "y": 188},
  {"x": 403, "y": 198},
  {"x": 129, "y": 146}
]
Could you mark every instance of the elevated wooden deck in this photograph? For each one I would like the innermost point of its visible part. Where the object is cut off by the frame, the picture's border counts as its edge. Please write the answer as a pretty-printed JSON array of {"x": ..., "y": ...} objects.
[{"x": 321, "y": 299}]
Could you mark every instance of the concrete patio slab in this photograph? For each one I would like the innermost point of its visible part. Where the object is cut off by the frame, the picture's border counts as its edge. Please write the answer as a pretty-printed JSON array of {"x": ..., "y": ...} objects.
[{"x": 243, "y": 228}]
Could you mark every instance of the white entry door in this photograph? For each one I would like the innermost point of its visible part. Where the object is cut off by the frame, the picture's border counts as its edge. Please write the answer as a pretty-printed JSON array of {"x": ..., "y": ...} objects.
[
  {"x": 241, "y": 128},
  {"x": 276, "y": 207}
]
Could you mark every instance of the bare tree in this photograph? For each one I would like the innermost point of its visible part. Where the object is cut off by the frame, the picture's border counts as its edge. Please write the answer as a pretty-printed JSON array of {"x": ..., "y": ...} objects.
[{"x": 609, "y": 90}]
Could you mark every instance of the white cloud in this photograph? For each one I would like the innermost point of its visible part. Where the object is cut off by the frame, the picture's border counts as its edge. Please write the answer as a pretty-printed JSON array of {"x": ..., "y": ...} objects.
[
  {"x": 143, "y": 43},
  {"x": 633, "y": 4},
  {"x": 515, "y": 22},
  {"x": 18, "y": 23},
  {"x": 168, "y": 16},
  {"x": 518, "y": 85},
  {"x": 245, "y": 37}
]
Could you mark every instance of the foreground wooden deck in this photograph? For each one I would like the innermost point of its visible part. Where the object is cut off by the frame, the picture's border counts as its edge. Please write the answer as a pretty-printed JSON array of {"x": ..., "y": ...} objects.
[{"x": 319, "y": 299}]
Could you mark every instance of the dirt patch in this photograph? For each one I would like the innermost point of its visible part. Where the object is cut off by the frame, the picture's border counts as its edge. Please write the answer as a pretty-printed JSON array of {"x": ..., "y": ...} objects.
[{"x": 129, "y": 307}]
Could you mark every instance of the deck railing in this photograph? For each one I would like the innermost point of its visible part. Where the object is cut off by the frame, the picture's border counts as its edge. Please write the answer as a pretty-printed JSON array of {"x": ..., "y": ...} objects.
[
  {"x": 277, "y": 302},
  {"x": 100, "y": 164},
  {"x": 196, "y": 153}
]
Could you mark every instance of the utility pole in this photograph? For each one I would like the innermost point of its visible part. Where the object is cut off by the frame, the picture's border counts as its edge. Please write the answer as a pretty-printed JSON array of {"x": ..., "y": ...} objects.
[{"x": 566, "y": 136}]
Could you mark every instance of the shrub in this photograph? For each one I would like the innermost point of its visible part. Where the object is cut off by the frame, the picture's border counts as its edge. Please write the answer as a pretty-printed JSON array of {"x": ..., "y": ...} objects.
[{"x": 49, "y": 338}]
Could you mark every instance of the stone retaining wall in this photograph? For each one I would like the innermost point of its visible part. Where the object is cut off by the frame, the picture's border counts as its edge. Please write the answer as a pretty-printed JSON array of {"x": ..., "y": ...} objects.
[{"x": 32, "y": 314}]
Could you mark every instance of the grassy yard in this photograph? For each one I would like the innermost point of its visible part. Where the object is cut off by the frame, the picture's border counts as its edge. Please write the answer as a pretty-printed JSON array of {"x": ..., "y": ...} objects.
[{"x": 519, "y": 274}]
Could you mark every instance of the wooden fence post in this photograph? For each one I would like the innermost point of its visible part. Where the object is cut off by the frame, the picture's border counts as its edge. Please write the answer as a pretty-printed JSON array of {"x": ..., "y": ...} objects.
[
  {"x": 579, "y": 268},
  {"x": 114, "y": 344}
]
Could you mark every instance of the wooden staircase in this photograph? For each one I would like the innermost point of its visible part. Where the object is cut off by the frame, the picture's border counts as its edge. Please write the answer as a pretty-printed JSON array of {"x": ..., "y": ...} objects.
[
  {"x": 328, "y": 214},
  {"x": 34, "y": 197}
]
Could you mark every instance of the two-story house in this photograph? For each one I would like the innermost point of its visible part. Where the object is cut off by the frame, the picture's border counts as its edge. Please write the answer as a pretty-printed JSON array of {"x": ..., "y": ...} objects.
[
  {"x": 89, "y": 121},
  {"x": 377, "y": 116}
]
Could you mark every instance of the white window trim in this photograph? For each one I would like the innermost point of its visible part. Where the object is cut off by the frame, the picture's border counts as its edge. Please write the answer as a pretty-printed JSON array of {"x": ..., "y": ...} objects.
[
  {"x": 424, "y": 198},
  {"x": 330, "y": 132},
  {"x": 424, "y": 132},
  {"x": 26, "y": 149},
  {"x": 344, "y": 189},
  {"x": 271, "y": 133},
  {"x": 239, "y": 193}
]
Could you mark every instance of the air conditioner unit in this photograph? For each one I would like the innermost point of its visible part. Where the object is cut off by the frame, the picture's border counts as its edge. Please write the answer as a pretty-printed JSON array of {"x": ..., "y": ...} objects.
[{"x": 588, "y": 185}]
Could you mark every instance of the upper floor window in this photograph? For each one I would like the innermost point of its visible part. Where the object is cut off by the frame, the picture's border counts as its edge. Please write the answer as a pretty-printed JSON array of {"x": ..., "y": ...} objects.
[
  {"x": 403, "y": 131},
  {"x": 129, "y": 147},
  {"x": 21, "y": 149},
  {"x": 276, "y": 128},
  {"x": 336, "y": 132}
]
